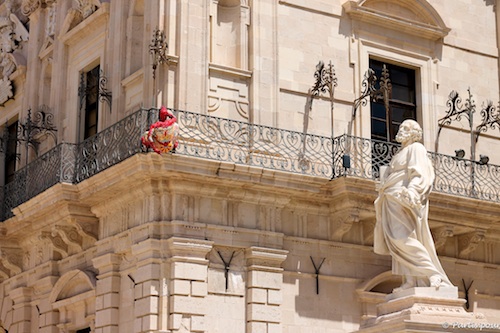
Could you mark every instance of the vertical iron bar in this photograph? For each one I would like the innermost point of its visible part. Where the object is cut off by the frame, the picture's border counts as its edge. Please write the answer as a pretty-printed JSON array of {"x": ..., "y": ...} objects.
[
  {"x": 226, "y": 267},
  {"x": 316, "y": 271}
]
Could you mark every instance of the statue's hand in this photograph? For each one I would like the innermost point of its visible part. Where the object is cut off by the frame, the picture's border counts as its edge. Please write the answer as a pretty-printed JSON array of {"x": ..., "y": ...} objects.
[{"x": 410, "y": 198}]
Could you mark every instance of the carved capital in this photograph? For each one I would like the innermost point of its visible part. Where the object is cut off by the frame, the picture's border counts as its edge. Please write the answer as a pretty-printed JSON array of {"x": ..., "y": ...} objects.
[
  {"x": 468, "y": 242},
  {"x": 441, "y": 235},
  {"x": 262, "y": 258},
  {"x": 342, "y": 222}
]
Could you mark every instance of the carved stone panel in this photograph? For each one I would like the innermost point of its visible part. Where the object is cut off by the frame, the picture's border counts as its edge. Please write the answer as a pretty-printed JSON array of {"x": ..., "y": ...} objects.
[{"x": 228, "y": 96}]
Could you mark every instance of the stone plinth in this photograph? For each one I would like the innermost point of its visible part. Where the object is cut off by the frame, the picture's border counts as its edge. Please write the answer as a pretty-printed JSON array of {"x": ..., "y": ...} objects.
[{"x": 426, "y": 309}]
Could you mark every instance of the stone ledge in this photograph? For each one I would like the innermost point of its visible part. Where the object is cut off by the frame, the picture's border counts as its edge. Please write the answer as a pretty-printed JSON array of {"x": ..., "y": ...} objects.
[
  {"x": 422, "y": 309},
  {"x": 426, "y": 292}
]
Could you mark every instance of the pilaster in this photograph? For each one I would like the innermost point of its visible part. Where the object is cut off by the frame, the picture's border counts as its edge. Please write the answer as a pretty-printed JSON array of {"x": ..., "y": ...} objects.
[
  {"x": 21, "y": 317},
  {"x": 188, "y": 268},
  {"x": 147, "y": 279},
  {"x": 48, "y": 317},
  {"x": 107, "y": 303},
  {"x": 264, "y": 289}
]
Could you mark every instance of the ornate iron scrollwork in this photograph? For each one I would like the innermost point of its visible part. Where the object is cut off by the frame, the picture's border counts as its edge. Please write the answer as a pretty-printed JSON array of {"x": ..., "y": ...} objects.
[
  {"x": 370, "y": 92},
  {"x": 456, "y": 110},
  {"x": 104, "y": 94},
  {"x": 326, "y": 81},
  {"x": 158, "y": 49},
  {"x": 33, "y": 128},
  {"x": 490, "y": 119},
  {"x": 85, "y": 89}
]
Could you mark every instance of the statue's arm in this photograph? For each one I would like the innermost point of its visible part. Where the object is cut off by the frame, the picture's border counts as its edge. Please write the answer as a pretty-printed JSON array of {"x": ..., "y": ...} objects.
[{"x": 420, "y": 172}]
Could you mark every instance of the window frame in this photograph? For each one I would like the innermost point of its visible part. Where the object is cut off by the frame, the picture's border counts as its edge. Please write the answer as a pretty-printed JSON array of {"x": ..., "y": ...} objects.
[
  {"x": 389, "y": 116},
  {"x": 89, "y": 96}
]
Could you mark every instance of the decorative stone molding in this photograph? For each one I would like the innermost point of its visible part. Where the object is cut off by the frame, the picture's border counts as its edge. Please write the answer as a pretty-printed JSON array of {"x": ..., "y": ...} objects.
[
  {"x": 189, "y": 248},
  {"x": 12, "y": 260},
  {"x": 72, "y": 283},
  {"x": 468, "y": 242},
  {"x": 13, "y": 35},
  {"x": 342, "y": 222},
  {"x": 57, "y": 243},
  {"x": 71, "y": 29},
  {"x": 265, "y": 257},
  {"x": 416, "y": 17},
  {"x": 29, "y": 6},
  {"x": 441, "y": 235},
  {"x": 3, "y": 275},
  {"x": 86, "y": 7},
  {"x": 50, "y": 24},
  {"x": 69, "y": 235},
  {"x": 86, "y": 229}
]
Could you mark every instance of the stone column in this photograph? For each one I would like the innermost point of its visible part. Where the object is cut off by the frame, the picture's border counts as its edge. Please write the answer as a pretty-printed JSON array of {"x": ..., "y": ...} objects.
[
  {"x": 188, "y": 268},
  {"x": 264, "y": 294},
  {"x": 147, "y": 285},
  {"x": 107, "y": 302},
  {"x": 21, "y": 316}
]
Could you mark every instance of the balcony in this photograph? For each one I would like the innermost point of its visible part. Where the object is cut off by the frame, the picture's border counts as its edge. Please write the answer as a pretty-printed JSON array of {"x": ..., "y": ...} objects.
[{"x": 240, "y": 143}]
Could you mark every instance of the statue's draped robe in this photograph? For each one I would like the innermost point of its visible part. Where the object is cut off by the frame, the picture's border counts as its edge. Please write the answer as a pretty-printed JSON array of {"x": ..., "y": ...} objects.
[{"x": 402, "y": 231}]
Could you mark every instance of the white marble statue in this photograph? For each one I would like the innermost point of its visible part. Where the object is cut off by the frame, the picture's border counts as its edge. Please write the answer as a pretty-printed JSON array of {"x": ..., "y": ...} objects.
[{"x": 402, "y": 207}]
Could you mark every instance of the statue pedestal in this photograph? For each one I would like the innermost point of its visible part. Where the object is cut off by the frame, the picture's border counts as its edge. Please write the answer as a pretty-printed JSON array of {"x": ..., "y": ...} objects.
[{"x": 426, "y": 309}]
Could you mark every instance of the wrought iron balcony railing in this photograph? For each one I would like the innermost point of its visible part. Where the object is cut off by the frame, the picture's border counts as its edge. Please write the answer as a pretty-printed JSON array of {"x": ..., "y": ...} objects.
[{"x": 241, "y": 143}]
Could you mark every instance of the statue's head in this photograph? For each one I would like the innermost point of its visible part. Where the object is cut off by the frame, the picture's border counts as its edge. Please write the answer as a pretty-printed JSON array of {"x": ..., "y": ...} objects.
[
  {"x": 165, "y": 113},
  {"x": 409, "y": 132}
]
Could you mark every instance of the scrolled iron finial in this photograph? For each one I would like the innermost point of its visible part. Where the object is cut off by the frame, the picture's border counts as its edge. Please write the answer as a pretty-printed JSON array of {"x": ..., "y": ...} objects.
[
  {"x": 158, "y": 49},
  {"x": 325, "y": 79}
]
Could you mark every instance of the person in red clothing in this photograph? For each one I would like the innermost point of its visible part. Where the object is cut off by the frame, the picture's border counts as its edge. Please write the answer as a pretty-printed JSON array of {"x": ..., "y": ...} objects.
[{"x": 162, "y": 135}]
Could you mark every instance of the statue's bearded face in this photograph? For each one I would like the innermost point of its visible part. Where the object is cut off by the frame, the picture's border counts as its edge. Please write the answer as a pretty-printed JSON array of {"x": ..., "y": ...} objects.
[
  {"x": 409, "y": 131},
  {"x": 404, "y": 133}
]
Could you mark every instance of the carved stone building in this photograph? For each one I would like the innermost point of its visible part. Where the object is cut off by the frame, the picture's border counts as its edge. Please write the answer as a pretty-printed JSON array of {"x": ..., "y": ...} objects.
[{"x": 262, "y": 220}]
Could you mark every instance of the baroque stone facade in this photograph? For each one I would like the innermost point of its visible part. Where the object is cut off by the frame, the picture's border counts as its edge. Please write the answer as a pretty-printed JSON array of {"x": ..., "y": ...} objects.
[{"x": 99, "y": 236}]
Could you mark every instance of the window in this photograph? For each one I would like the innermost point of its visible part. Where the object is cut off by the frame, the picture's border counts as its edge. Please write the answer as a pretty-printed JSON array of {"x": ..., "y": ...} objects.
[
  {"x": 402, "y": 102},
  {"x": 89, "y": 102},
  {"x": 10, "y": 151}
]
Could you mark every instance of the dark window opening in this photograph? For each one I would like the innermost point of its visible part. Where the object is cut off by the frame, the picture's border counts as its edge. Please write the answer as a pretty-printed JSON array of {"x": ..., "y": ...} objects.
[
  {"x": 402, "y": 102},
  {"x": 91, "y": 102},
  {"x": 11, "y": 152}
]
